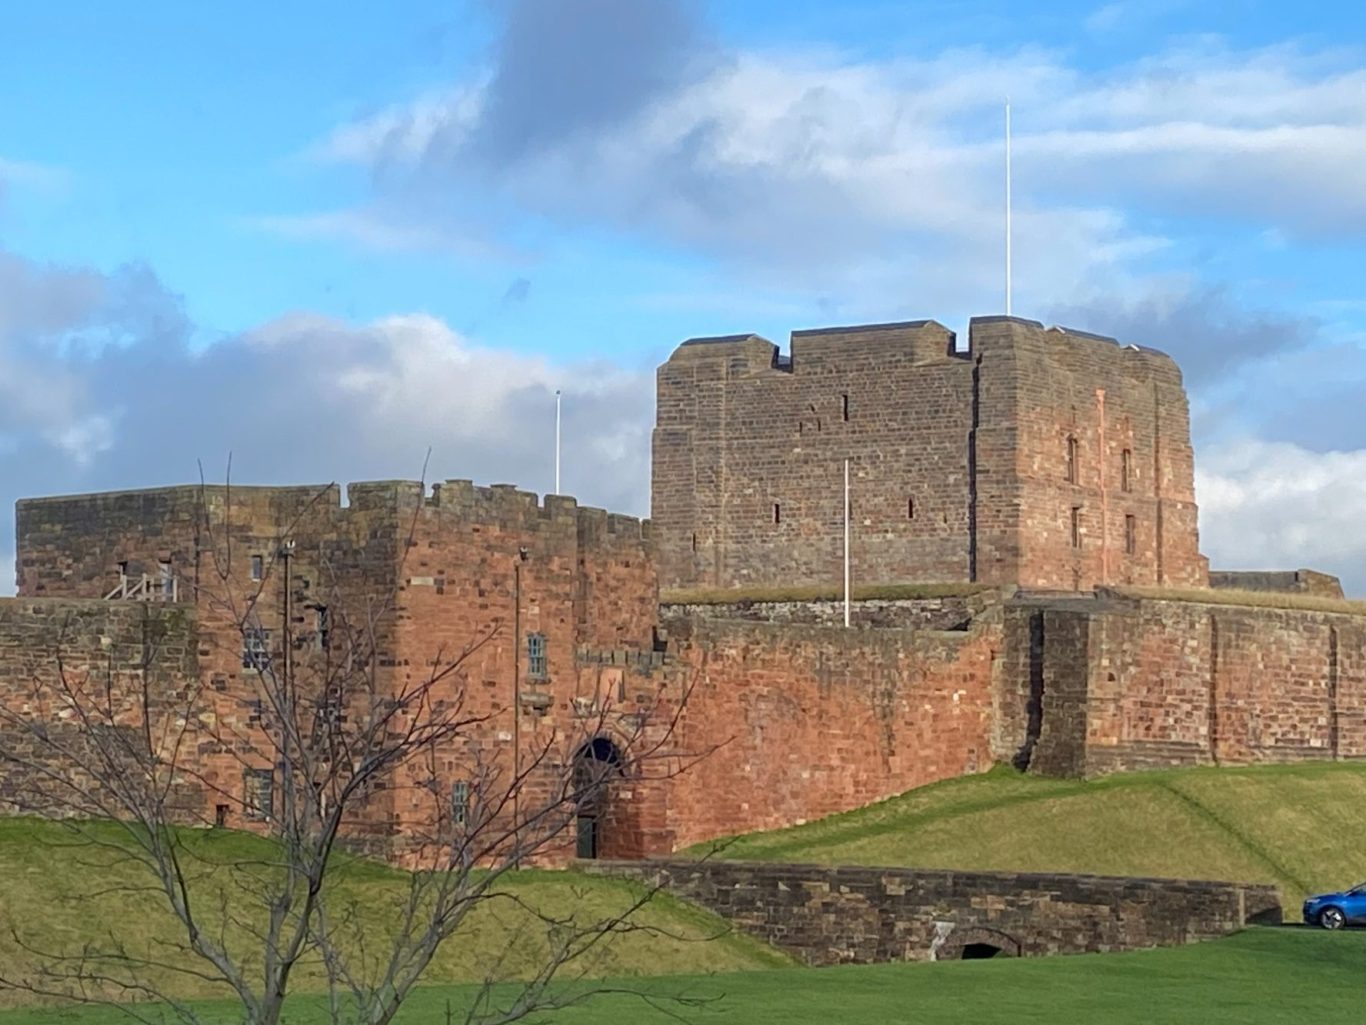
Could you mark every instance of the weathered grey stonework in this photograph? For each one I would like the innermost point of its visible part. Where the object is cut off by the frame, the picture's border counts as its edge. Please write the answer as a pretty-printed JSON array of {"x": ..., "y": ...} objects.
[
  {"x": 1039, "y": 456},
  {"x": 952, "y": 612},
  {"x": 829, "y": 916}
]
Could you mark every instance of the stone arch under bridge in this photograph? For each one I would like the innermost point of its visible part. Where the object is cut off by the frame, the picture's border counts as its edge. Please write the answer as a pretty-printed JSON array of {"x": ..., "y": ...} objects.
[{"x": 975, "y": 943}]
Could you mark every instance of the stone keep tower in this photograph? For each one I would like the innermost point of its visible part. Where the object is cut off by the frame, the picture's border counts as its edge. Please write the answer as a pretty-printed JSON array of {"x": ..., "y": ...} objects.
[{"x": 1044, "y": 457}]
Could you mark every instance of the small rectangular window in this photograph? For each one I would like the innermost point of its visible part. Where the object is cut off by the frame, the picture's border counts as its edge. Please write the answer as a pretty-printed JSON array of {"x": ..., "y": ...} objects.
[
  {"x": 1130, "y": 534},
  {"x": 777, "y": 513},
  {"x": 844, "y": 407},
  {"x": 1126, "y": 470},
  {"x": 324, "y": 627},
  {"x": 1076, "y": 526},
  {"x": 460, "y": 802},
  {"x": 167, "y": 581},
  {"x": 537, "y": 667},
  {"x": 1073, "y": 472},
  {"x": 258, "y": 567},
  {"x": 255, "y": 648},
  {"x": 258, "y": 794},
  {"x": 910, "y": 508}
]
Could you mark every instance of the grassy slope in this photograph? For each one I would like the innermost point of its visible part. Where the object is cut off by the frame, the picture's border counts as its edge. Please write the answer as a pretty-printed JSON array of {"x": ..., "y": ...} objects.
[
  {"x": 1260, "y": 977},
  {"x": 46, "y": 887},
  {"x": 1298, "y": 826}
]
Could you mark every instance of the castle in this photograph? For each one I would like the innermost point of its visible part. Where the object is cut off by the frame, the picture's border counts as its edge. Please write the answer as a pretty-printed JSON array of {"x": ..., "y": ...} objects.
[{"x": 1041, "y": 479}]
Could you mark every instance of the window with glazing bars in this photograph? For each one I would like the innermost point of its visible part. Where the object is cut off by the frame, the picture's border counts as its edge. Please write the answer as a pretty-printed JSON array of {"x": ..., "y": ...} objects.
[
  {"x": 255, "y": 648},
  {"x": 258, "y": 793},
  {"x": 460, "y": 802},
  {"x": 536, "y": 667}
]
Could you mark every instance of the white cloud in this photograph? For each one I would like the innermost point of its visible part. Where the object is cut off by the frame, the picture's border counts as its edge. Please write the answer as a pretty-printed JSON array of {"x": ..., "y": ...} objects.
[
  {"x": 820, "y": 170},
  {"x": 1275, "y": 505},
  {"x": 302, "y": 398}
]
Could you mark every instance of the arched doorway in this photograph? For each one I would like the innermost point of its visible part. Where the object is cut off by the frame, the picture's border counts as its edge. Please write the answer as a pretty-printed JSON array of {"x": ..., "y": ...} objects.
[{"x": 595, "y": 765}]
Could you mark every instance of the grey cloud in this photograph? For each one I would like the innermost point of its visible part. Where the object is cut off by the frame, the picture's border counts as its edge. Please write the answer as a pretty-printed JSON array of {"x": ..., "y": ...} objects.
[
  {"x": 517, "y": 293},
  {"x": 566, "y": 67},
  {"x": 301, "y": 399},
  {"x": 1203, "y": 329},
  {"x": 1311, "y": 397}
]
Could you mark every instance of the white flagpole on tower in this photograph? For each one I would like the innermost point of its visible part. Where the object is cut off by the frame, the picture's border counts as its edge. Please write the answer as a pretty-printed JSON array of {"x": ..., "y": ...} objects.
[
  {"x": 1008, "y": 213},
  {"x": 846, "y": 542},
  {"x": 557, "y": 441}
]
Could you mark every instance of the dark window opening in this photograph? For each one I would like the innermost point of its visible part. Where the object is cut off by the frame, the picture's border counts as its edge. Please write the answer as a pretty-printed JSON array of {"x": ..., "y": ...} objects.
[
  {"x": 255, "y": 648},
  {"x": 980, "y": 951},
  {"x": 910, "y": 508},
  {"x": 220, "y": 815},
  {"x": 1076, "y": 526},
  {"x": 258, "y": 794},
  {"x": 1126, "y": 470},
  {"x": 460, "y": 802},
  {"x": 844, "y": 407},
  {"x": 1130, "y": 534},
  {"x": 537, "y": 667},
  {"x": 777, "y": 513},
  {"x": 694, "y": 541},
  {"x": 324, "y": 627},
  {"x": 1073, "y": 472},
  {"x": 258, "y": 567}
]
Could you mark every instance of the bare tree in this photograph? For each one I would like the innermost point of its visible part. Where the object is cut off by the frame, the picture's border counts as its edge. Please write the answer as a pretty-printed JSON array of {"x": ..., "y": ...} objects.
[{"x": 333, "y": 741}]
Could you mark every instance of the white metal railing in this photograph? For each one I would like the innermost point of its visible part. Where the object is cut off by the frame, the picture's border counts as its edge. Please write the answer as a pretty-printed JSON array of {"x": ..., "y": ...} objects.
[{"x": 145, "y": 588}]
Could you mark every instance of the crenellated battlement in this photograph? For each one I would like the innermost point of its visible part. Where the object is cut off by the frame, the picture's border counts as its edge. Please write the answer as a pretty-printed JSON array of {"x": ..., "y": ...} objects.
[
  {"x": 84, "y": 545},
  {"x": 1045, "y": 456}
]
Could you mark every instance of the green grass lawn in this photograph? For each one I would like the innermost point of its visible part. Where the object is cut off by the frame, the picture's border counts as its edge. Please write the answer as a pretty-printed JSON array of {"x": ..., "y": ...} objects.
[
  {"x": 1259, "y": 977},
  {"x": 1298, "y": 826},
  {"x": 58, "y": 897}
]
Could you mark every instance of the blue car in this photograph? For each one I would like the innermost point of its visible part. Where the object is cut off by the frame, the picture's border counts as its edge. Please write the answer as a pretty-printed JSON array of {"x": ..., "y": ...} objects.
[{"x": 1334, "y": 910}]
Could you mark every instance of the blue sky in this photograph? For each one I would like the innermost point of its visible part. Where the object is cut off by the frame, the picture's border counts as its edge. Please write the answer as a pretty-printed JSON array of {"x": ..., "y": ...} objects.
[{"x": 375, "y": 229}]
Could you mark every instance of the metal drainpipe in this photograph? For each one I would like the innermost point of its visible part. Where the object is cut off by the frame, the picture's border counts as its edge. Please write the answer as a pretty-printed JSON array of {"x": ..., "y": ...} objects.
[
  {"x": 517, "y": 707},
  {"x": 1104, "y": 496}
]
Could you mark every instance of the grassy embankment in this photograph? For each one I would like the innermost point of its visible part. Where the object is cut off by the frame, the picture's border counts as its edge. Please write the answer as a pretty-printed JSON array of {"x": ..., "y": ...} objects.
[
  {"x": 59, "y": 897},
  {"x": 1298, "y": 826}
]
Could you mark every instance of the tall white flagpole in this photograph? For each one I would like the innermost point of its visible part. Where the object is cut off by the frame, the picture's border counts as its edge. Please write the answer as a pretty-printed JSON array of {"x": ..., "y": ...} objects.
[
  {"x": 846, "y": 542},
  {"x": 1008, "y": 214},
  {"x": 557, "y": 441}
]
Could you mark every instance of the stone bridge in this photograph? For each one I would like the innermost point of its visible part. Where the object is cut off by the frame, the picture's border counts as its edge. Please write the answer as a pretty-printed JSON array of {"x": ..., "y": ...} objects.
[{"x": 827, "y": 916}]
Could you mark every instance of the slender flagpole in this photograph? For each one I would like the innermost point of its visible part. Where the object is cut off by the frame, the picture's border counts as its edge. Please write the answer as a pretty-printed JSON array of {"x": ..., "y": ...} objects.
[
  {"x": 1008, "y": 213},
  {"x": 846, "y": 542},
  {"x": 557, "y": 441}
]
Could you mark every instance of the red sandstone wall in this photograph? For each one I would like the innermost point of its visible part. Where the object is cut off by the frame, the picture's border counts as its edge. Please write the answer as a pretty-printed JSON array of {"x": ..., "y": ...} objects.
[
  {"x": 1177, "y": 683},
  {"x": 71, "y": 546},
  {"x": 434, "y": 579},
  {"x": 486, "y": 568},
  {"x": 107, "y": 650},
  {"x": 738, "y": 435},
  {"x": 958, "y": 460},
  {"x": 1038, "y": 388},
  {"x": 806, "y": 721}
]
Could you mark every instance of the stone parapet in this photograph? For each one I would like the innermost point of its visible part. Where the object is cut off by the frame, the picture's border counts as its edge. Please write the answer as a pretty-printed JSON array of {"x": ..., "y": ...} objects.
[{"x": 827, "y": 916}]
